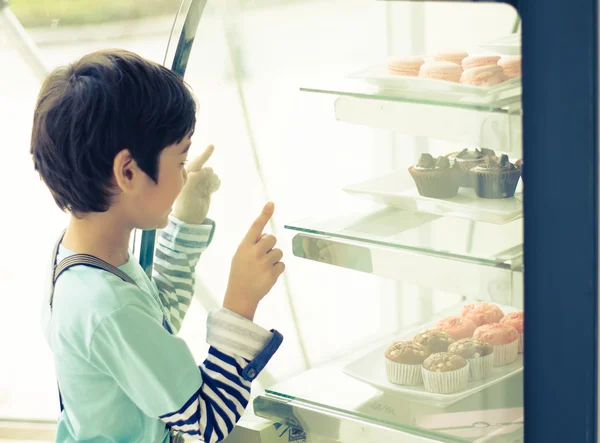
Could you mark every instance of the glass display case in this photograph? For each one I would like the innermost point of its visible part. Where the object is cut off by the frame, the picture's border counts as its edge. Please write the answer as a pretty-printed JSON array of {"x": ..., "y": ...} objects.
[
  {"x": 305, "y": 108},
  {"x": 298, "y": 98}
]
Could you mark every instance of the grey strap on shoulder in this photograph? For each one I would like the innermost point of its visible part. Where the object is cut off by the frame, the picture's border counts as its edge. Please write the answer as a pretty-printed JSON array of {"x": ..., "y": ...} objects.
[{"x": 83, "y": 260}]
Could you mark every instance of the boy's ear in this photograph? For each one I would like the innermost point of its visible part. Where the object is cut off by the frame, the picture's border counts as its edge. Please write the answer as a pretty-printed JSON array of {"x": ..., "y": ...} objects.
[{"x": 125, "y": 171}]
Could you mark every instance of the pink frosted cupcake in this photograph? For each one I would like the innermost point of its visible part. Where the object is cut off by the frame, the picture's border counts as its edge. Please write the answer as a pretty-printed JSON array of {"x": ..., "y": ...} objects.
[
  {"x": 517, "y": 321},
  {"x": 482, "y": 313},
  {"x": 505, "y": 340},
  {"x": 456, "y": 327}
]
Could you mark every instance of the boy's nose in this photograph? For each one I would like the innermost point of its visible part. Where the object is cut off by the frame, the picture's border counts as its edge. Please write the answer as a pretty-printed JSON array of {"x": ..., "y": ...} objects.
[{"x": 185, "y": 176}]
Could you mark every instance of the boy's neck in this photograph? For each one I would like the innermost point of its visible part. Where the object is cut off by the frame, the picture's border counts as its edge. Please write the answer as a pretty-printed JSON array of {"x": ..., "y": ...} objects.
[{"x": 100, "y": 235}]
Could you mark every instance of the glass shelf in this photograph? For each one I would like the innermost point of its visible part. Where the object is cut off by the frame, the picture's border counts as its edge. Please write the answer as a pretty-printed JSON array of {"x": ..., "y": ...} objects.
[
  {"x": 497, "y": 127},
  {"x": 478, "y": 260},
  {"x": 448, "y": 237},
  {"x": 360, "y": 89}
]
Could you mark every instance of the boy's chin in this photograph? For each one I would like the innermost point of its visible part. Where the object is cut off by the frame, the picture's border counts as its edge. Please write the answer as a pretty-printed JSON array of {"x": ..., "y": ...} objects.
[{"x": 155, "y": 224}]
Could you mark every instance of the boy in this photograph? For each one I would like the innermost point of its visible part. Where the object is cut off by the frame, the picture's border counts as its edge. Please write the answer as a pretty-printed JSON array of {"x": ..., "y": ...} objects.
[{"x": 110, "y": 139}]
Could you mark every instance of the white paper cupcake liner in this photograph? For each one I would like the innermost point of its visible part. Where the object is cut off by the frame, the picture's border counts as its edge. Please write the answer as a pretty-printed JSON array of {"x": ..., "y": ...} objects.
[
  {"x": 506, "y": 354},
  {"x": 481, "y": 367},
  {"x": 521, "y": 343},
  {"x": 446, "y": 382},
  {"x": 402, "y": 374}
]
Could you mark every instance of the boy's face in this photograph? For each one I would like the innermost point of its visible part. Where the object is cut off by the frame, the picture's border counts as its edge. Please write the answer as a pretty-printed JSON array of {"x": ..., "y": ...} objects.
[{"x": 154, "y": 202}]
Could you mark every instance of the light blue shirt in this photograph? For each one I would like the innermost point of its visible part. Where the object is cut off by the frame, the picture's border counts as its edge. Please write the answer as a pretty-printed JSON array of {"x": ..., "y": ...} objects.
[{"x": 124, "y": 377}]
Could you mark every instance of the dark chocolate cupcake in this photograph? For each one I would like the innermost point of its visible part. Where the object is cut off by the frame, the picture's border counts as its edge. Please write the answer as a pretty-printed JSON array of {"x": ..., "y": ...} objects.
[
  {"x": 495, "y": 178},
  {"x": 467, "y": 159},
  {"x": 519, "y": 165},
  {"x": 436, "y": 341},
  {"x": 435, "y": 178},
  {"x": 479, "y": 355}
]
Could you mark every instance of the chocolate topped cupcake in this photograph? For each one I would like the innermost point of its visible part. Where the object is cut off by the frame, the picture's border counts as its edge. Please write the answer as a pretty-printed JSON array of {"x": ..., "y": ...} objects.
[
  {"x": 478, "y": 353},
  {"x": 407, "y": 352},
  {"x": 471, "y": 348},
  {"x": 496, "y": 177},
  {"x": 519, "y": 165},
  {"x": 467, "y": 159},
  {"x": 435, "y": 341},
  {"x": 444, "y": 362},
  {"x": 403, "y": 362},
  {"x": 435, "y": 177},
  {"x": 445, "y": 373}
]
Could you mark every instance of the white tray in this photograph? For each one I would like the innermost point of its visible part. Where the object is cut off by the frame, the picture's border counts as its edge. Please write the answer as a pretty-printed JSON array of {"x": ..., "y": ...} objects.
[
  {"x": 398, "y": 189},
  {"x": 370, "y": 368},
  {"x": 507, "y": 45},
  {"x": 425, "y": 88}
]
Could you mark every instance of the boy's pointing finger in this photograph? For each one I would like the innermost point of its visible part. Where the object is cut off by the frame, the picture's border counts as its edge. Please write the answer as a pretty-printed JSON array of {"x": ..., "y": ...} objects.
[{"x": 199, "y": 161}]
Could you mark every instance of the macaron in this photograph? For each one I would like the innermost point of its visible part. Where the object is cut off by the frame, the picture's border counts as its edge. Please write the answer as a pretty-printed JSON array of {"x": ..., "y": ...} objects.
[
  {"x": 474, "y": 61},
  {"x": 452, "y": 56},
  {"x": 441, "y": 71},
  {"x": 511, "y": 65},
  {"x": 405, "y": 65},
  {"x": 484, "y": 76}
]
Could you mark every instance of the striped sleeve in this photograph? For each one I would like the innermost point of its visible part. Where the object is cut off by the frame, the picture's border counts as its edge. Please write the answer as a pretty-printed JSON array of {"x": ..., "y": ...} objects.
[
  {"x": 177, "y": 253},
  {"x": 239, "y": 351}
]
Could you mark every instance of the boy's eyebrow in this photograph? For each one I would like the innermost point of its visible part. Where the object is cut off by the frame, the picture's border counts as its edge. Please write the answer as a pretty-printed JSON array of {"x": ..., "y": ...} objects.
[{"x": 187, "y": 148}]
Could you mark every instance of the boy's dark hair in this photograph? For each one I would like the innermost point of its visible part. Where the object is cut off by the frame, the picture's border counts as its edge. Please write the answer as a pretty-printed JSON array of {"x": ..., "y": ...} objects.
[{"x": 89, "y": 111}]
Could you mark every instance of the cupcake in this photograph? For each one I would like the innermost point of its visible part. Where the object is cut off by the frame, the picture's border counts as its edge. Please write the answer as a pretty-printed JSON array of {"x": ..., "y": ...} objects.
[
  {"x": 403, "y": 362},
  {"x": 435, "y": 178},
  {"x": 505, "y": 340},
  {"x": 467, "y": 159},
  {"x": 519, "y": 165},
  {"x": 479, "y": 355},
  {"x": 445, "y": 373},
  {"x": 456, "y": 327},
  {"x": 435, "y": 341},
  {"x": 482, "y": 313},
  {"x": 495, "y": 178},
  {"x": 517, "y": 321}
]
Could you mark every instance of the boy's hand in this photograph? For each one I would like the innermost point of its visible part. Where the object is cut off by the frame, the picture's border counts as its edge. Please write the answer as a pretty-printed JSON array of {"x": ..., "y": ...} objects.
[
  {"x": 255, "y": 268},
  {"x": 193, "y": 201}
]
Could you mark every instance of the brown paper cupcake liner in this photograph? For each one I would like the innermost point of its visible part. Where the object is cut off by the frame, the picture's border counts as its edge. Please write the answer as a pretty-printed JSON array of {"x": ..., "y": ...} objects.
[
  {"x": 403, "y": 374},
  {"x": 446, "y": 382},
  {"x": 506, "y": 354},
  {"x": 438, "y": 183},
  {"x": 480, "y": 368},
  {"x": 495, "y": 183},
  {"x": 465, "y": 167}
]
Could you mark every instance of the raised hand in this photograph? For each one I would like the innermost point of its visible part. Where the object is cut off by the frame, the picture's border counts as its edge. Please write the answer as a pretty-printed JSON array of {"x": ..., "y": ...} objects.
[
  {"x": 193, "y": 202},
  {"x": 255, "y": 267}
]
